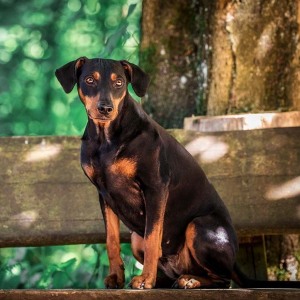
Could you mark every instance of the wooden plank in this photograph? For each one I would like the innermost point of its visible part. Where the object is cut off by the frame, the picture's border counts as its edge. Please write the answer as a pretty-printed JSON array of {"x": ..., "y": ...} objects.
[
  {"x": 230, "y": 294},
  {"x": 243, "y": 121},
  {"x": 256, "y": 173},
  {"x": 46, "y": 199}
]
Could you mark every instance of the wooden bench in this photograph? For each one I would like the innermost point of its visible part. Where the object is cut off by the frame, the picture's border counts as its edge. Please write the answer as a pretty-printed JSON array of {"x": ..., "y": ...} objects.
[{"x": 46, "y": 200}]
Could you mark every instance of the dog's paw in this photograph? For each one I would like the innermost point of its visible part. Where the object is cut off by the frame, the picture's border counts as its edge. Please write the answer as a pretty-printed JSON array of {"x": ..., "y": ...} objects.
[
  {"x": 142, "y": 282},
  {"x": 113, "y": 282},
  {"x": 187, "y": 282}
]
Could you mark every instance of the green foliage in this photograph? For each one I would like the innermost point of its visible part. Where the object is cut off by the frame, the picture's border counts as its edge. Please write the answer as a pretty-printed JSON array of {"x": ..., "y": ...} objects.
[
  {"x": 36, "y": 37},
  {"x": 76, "y": 266}
]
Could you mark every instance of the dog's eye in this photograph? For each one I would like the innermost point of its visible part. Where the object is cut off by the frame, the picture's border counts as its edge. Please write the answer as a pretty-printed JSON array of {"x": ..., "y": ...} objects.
[
  {"x": 118, "y": 83},
  {"x": 90, "y": 80}
]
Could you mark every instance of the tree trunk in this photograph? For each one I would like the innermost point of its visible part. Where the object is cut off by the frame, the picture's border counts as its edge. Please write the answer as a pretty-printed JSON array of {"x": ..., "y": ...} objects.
[
  {"x": 219, "y": 57},
  {"x": 255, "y": 58},
  {"x": 169, "y": 53}
]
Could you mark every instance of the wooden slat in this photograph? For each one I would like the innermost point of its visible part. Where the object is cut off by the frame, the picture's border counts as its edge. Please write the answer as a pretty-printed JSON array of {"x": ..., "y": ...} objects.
[
  {"x": 231, "y": 294},
  {"x": 243, "y": 121},
  {"x": 46, "y": 199}
]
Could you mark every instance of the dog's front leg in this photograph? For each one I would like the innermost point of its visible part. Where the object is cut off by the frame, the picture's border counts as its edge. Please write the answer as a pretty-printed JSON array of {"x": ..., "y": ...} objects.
[
  {"x": 116, "y": 277},
  {"x": 155, "y": 210}
]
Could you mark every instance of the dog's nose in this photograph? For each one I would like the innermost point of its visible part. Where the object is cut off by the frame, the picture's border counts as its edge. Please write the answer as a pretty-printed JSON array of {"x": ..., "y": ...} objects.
[{"x": 105, "y": 109}]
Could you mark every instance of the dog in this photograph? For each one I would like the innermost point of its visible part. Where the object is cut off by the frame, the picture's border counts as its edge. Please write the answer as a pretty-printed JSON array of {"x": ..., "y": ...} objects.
[{"x": 182, "y": 232}]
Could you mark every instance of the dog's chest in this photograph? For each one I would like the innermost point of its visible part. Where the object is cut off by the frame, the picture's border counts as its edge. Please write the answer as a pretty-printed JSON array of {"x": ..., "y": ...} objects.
[
  {"x": 108, "y": 169},
  {"x": 116, "y": 180}
]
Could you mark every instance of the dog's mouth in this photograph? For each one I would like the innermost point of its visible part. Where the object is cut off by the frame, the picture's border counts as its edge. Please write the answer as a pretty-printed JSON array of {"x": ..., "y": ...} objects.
[{"x": 101, "y": 118}]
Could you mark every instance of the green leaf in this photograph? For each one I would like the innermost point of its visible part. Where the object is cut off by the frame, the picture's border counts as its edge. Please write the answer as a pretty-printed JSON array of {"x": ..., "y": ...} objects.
[
  {"x": 46, "y": 278},
  {"x": 131, "y": 9},
  {"x": 61, "y": 280},
  {"x": 67, "y": 264}
]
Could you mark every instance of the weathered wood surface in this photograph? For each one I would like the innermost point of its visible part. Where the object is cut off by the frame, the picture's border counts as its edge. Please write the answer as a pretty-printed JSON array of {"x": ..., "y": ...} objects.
[
  {"x": 243, "y": 121},
  {"x": 46, "y": 199},
  {"x": 239, "y": 294}
]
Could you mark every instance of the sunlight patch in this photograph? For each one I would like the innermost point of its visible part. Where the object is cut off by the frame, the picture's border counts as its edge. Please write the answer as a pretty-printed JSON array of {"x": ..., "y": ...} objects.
[
  {"x": 26, "y": 218},
  {"x": 285, "y": 190},
  {"x": 210, "y": 148},
  {"x": 42, "y": 152},
  {"x": 218, "y": 236}
]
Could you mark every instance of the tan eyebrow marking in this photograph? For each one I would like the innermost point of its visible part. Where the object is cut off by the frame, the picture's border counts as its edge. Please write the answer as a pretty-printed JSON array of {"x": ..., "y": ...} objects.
[
  {"x": 113, "y": 76},
  {"x": 96, "y": 75}
]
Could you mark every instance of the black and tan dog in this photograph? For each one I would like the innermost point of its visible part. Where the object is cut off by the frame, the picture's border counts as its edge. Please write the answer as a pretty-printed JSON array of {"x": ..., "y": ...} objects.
[{"x": 181, "y": 230}]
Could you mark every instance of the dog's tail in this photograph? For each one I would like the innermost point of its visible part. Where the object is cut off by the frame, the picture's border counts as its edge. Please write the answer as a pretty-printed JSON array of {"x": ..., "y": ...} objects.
[{"x": 245, "y": 282}]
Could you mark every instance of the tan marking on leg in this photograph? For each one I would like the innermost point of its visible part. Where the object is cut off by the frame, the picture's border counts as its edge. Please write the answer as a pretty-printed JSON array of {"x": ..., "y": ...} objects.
[
  {"x": 137, "y": 247},
  {"x": 190, "y": 281},
  {"x": 184, "y": 260},
  {"x": 190, "y": 235},
  {"x": 152, "y": 242},
  {"x": 152, "y": 252},
  {"x": 116, "y": 278}
]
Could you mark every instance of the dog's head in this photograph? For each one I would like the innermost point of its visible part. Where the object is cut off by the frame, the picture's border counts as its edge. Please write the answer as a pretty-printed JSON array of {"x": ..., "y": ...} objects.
[{"x": 102, "y": 84}]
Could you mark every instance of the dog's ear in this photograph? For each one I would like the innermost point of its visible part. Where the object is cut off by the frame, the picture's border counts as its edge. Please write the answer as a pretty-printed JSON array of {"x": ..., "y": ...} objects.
[
  {"x": 67, "y": 74},
  {"x": 137, "y": 77}
]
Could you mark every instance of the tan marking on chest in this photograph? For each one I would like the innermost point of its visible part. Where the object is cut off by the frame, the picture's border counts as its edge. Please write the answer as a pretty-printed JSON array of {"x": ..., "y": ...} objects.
[{"x": 125, "y": 167}]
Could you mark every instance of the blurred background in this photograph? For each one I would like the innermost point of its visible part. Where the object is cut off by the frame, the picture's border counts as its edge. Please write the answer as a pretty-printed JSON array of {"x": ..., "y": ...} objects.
[
  {"x": 36, "y": 37},
  {"x": 212, "y": 58}
]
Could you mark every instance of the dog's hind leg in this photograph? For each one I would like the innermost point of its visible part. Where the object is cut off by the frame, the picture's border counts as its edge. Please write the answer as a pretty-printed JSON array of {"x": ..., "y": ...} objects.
[{"x": 212, "y": 248}]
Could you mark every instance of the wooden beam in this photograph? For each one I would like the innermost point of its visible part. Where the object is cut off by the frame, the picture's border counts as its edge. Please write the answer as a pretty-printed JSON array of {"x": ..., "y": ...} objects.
[
  {"x": 150, "y": 294},
  {"x": 243, "y": 121},
  {"x": 46, "y": 199}
]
